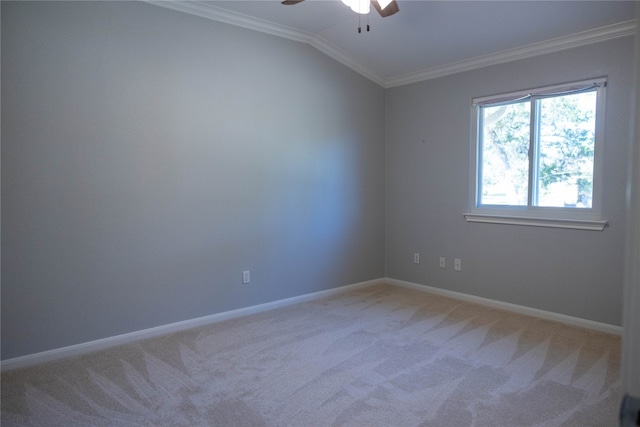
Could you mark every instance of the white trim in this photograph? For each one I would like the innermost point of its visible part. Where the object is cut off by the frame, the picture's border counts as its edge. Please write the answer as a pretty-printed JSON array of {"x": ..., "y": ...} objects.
[
  {"x": 105, "y": 343},
  {"x": 530, "y": 215},
  {"x": 537, "y": 222},
  {"x": 208, "y": 11},
  {"x": 342, "y": 57},
  {"x": 561, "y": 89},
  {"x": 622, "y": 29},
  {"x": 514, "y": 308}
]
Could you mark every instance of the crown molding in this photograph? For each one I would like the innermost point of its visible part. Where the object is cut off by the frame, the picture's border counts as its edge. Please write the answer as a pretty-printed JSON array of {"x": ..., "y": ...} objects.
[
  {"x": 342, "y": 57},
  {"x": 206, "y": 10},
  {"x": 623, "y": 29}
]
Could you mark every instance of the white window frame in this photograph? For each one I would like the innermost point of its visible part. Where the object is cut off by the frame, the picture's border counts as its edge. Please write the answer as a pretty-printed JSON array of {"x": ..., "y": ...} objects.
[{"x": 556, "y": 217}]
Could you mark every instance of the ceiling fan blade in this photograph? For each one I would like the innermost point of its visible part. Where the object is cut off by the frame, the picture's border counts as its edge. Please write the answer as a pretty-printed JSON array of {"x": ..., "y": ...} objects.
[
  {"x": 290, "y": 2},
  {"x": 391, "y": 8}
]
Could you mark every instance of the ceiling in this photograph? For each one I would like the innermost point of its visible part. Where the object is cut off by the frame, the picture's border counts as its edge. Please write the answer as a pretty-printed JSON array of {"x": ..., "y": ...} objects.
[{"x": 427, "y": 38}]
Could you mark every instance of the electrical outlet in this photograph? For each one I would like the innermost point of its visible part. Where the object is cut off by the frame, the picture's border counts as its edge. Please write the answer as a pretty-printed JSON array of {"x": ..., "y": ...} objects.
[
  {"x": 443, "y": 262},
  {"x": 457, "y": 264},
  {"x": 246, "y": 276},
  {"x": 416, "y": 258}
]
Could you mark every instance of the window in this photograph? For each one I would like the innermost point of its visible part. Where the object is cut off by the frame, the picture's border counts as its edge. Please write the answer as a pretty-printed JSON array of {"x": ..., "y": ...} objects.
[{"x": 537, "y": 157}]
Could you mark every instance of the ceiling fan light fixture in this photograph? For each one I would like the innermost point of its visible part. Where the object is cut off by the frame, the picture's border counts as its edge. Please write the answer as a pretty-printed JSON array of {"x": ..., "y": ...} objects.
[
  {"x": 359, "y": 6},
  {"x": 384, "y": 3},
  {"x": 363, "y": 7}
]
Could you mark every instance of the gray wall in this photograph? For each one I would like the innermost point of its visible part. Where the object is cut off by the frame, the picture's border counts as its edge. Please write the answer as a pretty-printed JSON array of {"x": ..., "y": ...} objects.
[
  {"x": 630, "y": 372},
  {"x": 149, "y": 156},
  {"x": 572, "y": 272}
]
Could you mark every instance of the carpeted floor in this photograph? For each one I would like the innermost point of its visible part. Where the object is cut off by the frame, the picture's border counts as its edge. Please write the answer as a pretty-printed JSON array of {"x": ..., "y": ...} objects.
[{"x": 377, "y": 356}]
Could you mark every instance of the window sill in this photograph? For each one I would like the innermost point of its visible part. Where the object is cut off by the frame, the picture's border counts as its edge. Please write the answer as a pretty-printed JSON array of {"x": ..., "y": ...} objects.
[{"x": 537, "y": 222}]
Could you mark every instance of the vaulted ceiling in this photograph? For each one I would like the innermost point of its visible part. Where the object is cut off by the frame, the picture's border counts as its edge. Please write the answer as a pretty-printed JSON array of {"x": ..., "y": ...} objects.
[{"x": 427, "y": 38}]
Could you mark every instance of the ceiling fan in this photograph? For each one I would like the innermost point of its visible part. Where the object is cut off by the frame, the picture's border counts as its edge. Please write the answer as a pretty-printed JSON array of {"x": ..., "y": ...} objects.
[{"x": 384, "y": 7}]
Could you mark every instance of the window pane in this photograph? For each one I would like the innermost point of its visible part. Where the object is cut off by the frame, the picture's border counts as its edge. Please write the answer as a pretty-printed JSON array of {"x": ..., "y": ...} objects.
[
  {"x": 566, "y": 147},
  {"x": 505, "y": 154}
]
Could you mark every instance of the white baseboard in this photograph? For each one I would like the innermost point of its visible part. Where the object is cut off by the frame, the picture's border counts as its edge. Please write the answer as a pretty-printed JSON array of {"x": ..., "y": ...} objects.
[
  {"x": 104, "y": 343},
  {"x": 515, "y": 308}
]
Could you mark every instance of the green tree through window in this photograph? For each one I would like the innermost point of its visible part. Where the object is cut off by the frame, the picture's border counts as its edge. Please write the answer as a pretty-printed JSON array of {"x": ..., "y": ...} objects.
[
  {"x": 538, "y": 151},
  {"x": 566, "y": 150}
]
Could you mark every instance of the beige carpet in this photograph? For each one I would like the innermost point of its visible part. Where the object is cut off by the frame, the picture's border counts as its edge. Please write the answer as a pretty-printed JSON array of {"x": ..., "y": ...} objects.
[{"x": 378, "y": 356}]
